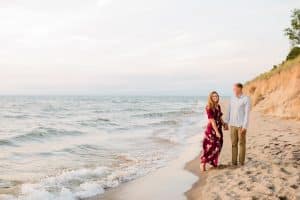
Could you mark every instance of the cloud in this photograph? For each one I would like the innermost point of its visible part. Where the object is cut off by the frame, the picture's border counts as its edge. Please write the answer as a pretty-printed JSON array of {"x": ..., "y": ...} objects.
[
  {"x": 101, "y": 3},
  {"x": 137, "y": 43}
]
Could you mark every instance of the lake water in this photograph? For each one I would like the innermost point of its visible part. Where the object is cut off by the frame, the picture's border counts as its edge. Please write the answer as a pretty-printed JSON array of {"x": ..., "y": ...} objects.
[{"x": 72, "y": 147}]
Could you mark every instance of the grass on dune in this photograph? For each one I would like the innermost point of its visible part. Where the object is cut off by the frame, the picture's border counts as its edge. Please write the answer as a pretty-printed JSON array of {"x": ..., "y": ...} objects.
[{"x": 277, "y": 69}]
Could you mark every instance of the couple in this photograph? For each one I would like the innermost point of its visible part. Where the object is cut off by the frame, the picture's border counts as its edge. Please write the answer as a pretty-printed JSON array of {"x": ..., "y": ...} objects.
[{"x": 237, "y": 117}]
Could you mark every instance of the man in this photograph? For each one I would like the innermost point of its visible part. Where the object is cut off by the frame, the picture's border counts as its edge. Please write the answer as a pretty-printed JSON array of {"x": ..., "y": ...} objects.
[{"x": 237, "y": 117}]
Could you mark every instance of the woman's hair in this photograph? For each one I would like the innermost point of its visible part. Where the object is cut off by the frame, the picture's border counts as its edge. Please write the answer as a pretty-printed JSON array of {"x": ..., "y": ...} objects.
[{"x": 210, "y": 103}]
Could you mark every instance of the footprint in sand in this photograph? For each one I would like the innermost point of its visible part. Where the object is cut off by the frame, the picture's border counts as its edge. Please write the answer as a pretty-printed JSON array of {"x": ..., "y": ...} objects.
[
  {"x": 253, "y": 179},
  {"x": 277, "y": 153},
  {"x": 272, "y": 188},
  {"x": 241, "y": 183},
  {"x": 294, "y": 186},
  {"x": 284, "y": 171},
  {"x": 282, "y": 198},
  {"x": 248, "y": 172},
  {"x": 287, "y": 145}
]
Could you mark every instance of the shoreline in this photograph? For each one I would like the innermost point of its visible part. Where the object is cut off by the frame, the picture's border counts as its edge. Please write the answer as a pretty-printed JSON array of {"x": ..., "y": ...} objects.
[{"x": 162, "y": 183}]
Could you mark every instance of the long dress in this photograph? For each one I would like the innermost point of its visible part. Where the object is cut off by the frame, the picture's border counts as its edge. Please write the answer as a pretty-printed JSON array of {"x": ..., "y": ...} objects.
[{"x": 212, "y": 145}]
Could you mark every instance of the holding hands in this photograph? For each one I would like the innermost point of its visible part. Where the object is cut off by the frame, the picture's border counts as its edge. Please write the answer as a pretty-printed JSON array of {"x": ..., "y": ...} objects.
[{"x": 225, "y": 126}]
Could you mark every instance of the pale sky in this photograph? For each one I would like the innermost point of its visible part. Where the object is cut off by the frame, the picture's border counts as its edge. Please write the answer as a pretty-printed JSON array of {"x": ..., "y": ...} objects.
[{"x": 138, "y": 47}]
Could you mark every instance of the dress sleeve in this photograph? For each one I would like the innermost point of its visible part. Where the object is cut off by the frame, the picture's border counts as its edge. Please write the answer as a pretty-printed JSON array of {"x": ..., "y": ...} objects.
[
  {"x": 221, "y": 113},
  {"x": 209, "y": 113}
]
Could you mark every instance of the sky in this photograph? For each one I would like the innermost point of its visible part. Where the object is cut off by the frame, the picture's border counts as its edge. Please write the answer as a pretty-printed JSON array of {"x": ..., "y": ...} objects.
[{"x": 138, "y": 47}]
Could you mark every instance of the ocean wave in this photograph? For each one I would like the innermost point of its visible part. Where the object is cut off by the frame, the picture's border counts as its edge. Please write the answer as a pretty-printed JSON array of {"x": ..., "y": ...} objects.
[
  {"x": 18, "y": 116},
  {"x": 7, "y": 142},
  {"x": 39, "y": 134},
  {"x": 165, "y": 114},
  {"x": 102, "y": 120},
  {"x": 99, "y": 111},
  {"x": 134, "y": 109},
  {"x": 98, "y": 122},
  {"x": 178, "y": 134},
  {"x": 164, "y": 122},
  {"x": 83, "y": 149},
  {"x": 69, "y": 185},
  {"x": 87, "y": 182},
  {"x": 168, "y": 138}
]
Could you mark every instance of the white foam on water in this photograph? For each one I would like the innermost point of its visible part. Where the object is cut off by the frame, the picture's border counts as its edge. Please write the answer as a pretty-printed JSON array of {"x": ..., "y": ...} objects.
[
  {"x": 89, "y": 189},
  {"x": 43, "y": 194},
  {"x": 6, "y": 197},
  {"x": 68, "y": 185},
  {"x": 84, "y": 183}
]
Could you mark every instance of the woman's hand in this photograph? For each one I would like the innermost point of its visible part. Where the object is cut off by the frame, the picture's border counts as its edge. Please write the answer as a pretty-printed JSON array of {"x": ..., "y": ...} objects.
[{"x": 218, "y": 134}]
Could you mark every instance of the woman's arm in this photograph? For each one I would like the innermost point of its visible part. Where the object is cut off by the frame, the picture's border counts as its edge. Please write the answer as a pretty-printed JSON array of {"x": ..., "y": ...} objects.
[{"x": 214, "y": 125}]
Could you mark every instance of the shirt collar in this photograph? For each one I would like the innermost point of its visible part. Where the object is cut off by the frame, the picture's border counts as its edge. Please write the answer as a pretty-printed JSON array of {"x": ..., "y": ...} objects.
[{"x": 242, "y": 95}]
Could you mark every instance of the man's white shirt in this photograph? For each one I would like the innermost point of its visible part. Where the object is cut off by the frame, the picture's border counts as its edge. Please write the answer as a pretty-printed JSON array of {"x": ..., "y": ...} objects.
[{"x": 238, "y": 111}]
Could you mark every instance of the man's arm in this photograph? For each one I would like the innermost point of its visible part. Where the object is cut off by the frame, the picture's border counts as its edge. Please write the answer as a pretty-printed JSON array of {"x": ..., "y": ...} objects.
[
  {"x": 247, "y": 113},
  {"x": 227, "y": 115}
]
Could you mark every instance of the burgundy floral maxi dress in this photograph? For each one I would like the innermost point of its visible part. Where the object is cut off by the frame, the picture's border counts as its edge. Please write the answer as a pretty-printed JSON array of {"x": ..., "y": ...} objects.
[{"x": 212, "y": 145}]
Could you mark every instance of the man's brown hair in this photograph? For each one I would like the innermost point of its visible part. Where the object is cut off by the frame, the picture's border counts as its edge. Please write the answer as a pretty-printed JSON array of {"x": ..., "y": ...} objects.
[{"x": 239, "y": 85}]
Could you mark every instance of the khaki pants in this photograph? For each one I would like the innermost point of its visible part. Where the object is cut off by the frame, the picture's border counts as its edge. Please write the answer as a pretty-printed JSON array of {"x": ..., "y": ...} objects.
[{"x": 238, "y": 139}]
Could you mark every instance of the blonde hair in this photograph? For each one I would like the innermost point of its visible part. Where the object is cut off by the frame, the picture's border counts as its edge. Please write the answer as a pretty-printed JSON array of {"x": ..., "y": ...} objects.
[{"x": 210, "y": 103}]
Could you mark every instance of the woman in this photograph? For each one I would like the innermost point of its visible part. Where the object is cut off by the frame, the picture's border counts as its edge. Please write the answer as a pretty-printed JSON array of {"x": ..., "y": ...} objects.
[{"x": 213, "y": 139}]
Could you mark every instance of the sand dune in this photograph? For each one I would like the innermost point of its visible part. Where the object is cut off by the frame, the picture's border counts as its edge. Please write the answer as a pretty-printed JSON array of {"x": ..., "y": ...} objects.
[{"x": 277, "y": 92}]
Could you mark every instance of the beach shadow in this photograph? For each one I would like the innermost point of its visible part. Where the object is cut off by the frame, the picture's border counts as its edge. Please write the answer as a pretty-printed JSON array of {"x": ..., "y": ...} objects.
[{"x": 223, "y": 166}]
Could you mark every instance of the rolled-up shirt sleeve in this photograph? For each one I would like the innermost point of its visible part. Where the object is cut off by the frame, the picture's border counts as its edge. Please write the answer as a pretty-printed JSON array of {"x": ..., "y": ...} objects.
[{"x": 247, "y": 113}]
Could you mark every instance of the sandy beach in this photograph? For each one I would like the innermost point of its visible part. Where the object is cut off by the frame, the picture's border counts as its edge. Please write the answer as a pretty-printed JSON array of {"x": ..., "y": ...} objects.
[{"x": 271, "y": 171}]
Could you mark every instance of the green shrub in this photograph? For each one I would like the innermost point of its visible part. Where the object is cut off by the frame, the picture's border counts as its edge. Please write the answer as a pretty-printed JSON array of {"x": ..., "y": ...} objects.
[{"x": 293, "y": 53}]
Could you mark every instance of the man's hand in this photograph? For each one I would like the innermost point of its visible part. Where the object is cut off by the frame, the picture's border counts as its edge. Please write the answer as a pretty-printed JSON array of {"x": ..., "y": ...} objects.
[
  {"x": 242, "y": 131},
  {"x": 225, "y": 127}
]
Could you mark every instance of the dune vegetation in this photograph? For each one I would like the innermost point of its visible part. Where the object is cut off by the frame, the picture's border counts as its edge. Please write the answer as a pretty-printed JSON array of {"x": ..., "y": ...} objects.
[{"x": 277, "y": 92}]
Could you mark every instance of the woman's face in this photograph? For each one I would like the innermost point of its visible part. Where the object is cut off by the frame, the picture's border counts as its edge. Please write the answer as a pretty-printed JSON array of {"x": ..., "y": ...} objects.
[{"x": 215, "y": 98}]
